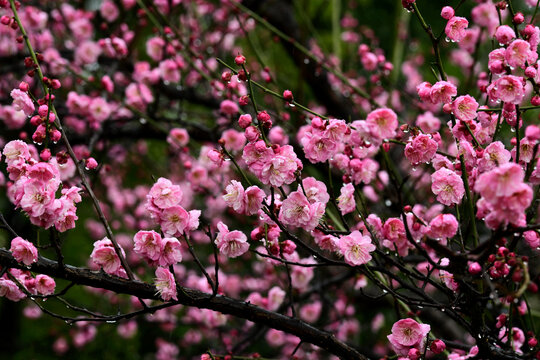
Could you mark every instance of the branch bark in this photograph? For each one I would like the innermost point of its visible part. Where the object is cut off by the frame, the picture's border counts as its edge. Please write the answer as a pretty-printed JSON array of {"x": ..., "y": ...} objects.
[{"x": 191, "y": 297}]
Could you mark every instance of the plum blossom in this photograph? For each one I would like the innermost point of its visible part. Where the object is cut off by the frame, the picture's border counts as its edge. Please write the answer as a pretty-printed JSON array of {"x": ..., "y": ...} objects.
[
  {"x": 22, "y": 102},
  {"x": 165, "y": 284},
  {"x": 346, "y": 201},
  {"x": 297, "y": 211},
  {"x": 421, "y": 149},
  {"x": 443, "y": 226},
  {"x": 455, "y": 28},
  {"x": 23, "y": 251},
  {"x": 356, "y": 248},
  {"x": 448, "y": 186},
  {"x": 464, "y": 107},
  {"x": 407, "y": 334},
  {"x": 383, "y": 123},
  {"x": 231, "y": 243},
  {"x": 105, "y": 256}
]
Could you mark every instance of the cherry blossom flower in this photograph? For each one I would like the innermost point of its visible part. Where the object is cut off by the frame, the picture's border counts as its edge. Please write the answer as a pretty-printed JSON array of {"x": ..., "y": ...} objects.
[
  {"x": 297, "y": 211},
  {"x": 22, "y": 102},
  {"x": 455, "y": 28},
  {"x": 346, "y": 201}
]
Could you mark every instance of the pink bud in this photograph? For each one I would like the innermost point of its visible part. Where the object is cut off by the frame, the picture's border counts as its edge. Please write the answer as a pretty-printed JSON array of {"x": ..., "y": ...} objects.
[
  {"x": 43, "y": 110},
  {"x": 288, "y": 95},
  {"x": 240, "y": 59},
  {"x": 530, "y": 72},
  {"x": 244, "y": 121},
  {"x": 518, "y": 18},
  {"x": 475, "y": 268},
  {"x": 437, "y": 346},
  {"x": 447, "y": 12},
  {"x": 55, "y": 136},
  {"x": 23, "y": 86},
  {"x": 91, "y": 163},
  {"x": 45, "y": 154}
]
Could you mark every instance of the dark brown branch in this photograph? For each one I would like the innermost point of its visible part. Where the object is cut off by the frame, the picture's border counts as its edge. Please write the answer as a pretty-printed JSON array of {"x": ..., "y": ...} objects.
[{"x": 191, "y": 297}]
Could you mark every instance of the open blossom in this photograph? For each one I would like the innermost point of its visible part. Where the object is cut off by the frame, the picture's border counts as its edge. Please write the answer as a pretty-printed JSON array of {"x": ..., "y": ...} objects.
[
  {"x": 45, "y": 284},
  {"x": 442, "y": 92},
  {"x": 508, "y": 89},
  {"x": 501, "y": 181},
  {"x": 280, "y": 168},
  {"x": 10, "y": 290},
  {"x": 443, "y": 226},
  {"x": 464, "y": 108},
  {"x": 23, "y": 251},
  {"x": 164, "y": 194},
  {"x": 22, "y": 102},
  {"x": 297, "y": 211},
  {"x": 105, "y": 256},
  {"x": 421, "y": 150},
  {"x": 517, "y": 53},
  {"x": 16, "y": 151},
  {"x": 494, "y": 155},
  {"x": 169, "y": 251},
  {"x": 356, "y": 248},
  {"x": 315, "y": 190},
  {"x": 165, "y": 284},
  {"x": 383, "y": 123},
  {"x": 147, "y": 244},
  {"x": 407, "y": 334},
  {"x": 231, "y": 243},
  {"x": 253, "y": 199},
  {"x": 448, "y": 186},
  {"x": 346, "y": 201},
  {"x": 456, "y": 28},
  {"x": 234, "y": 196}
]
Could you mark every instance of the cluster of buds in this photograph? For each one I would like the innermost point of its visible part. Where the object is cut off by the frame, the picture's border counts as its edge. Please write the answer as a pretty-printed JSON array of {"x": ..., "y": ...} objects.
[{"x": 502, "y": 262}]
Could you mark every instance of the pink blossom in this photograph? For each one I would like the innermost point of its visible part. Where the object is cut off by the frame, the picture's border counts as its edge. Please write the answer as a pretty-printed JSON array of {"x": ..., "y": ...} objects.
[
  {"x": 164, "y": 194},
  {"x": 170, "y": 251},
  {"x": 315, "y": 190},
  {"x": 23, "y": 251},
  {"x": 455, "y": 28},
  {"x": 447, "y": 12},
  {"x": 174, "y": 220},
  {"x": 169, "y": 71},
  {"x": 16, "y": 151},
  {"x": 421, "y": 149},
  {"x": 10, "y": 290},
  {"x": 231, "y": 243},
  {"x": 501, "y": 181},
  {"x": 508, "y": 89},
  {"x": 428, "y": 123},
  {"x": 297, "y": 211},
  {"x": 105, "y": 256},
  {"x": 493, "y": 156},
  {"x": 165, "y": 284},
  {"x": 517, "y": 53},
  {"x": 346, "y": 201},
  {"x": 443, "y": 226},
  {"x": 356, "y": 248},
  {"x": 280, "y": 168},
  {"x": 45, "y": 284},
  {"x": 178, "y": 138},
  {"x": 234, "y": 196},
  {"x": 228, "y": 107},
  {"x": 253, "y": 199},
  {"x": 155, "y": 47},
  {"x": 383, "y": 123},
  {"x": 442, "y": 92},
  {"x": 448, "y": 186},
  {"x": 148, "y": 244},
  {"x": 464, "y": 107},
  {"x": 22, "y": 102},
  {"x": 505, "y": 34},
  {"x": 407, "y": 334}
]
